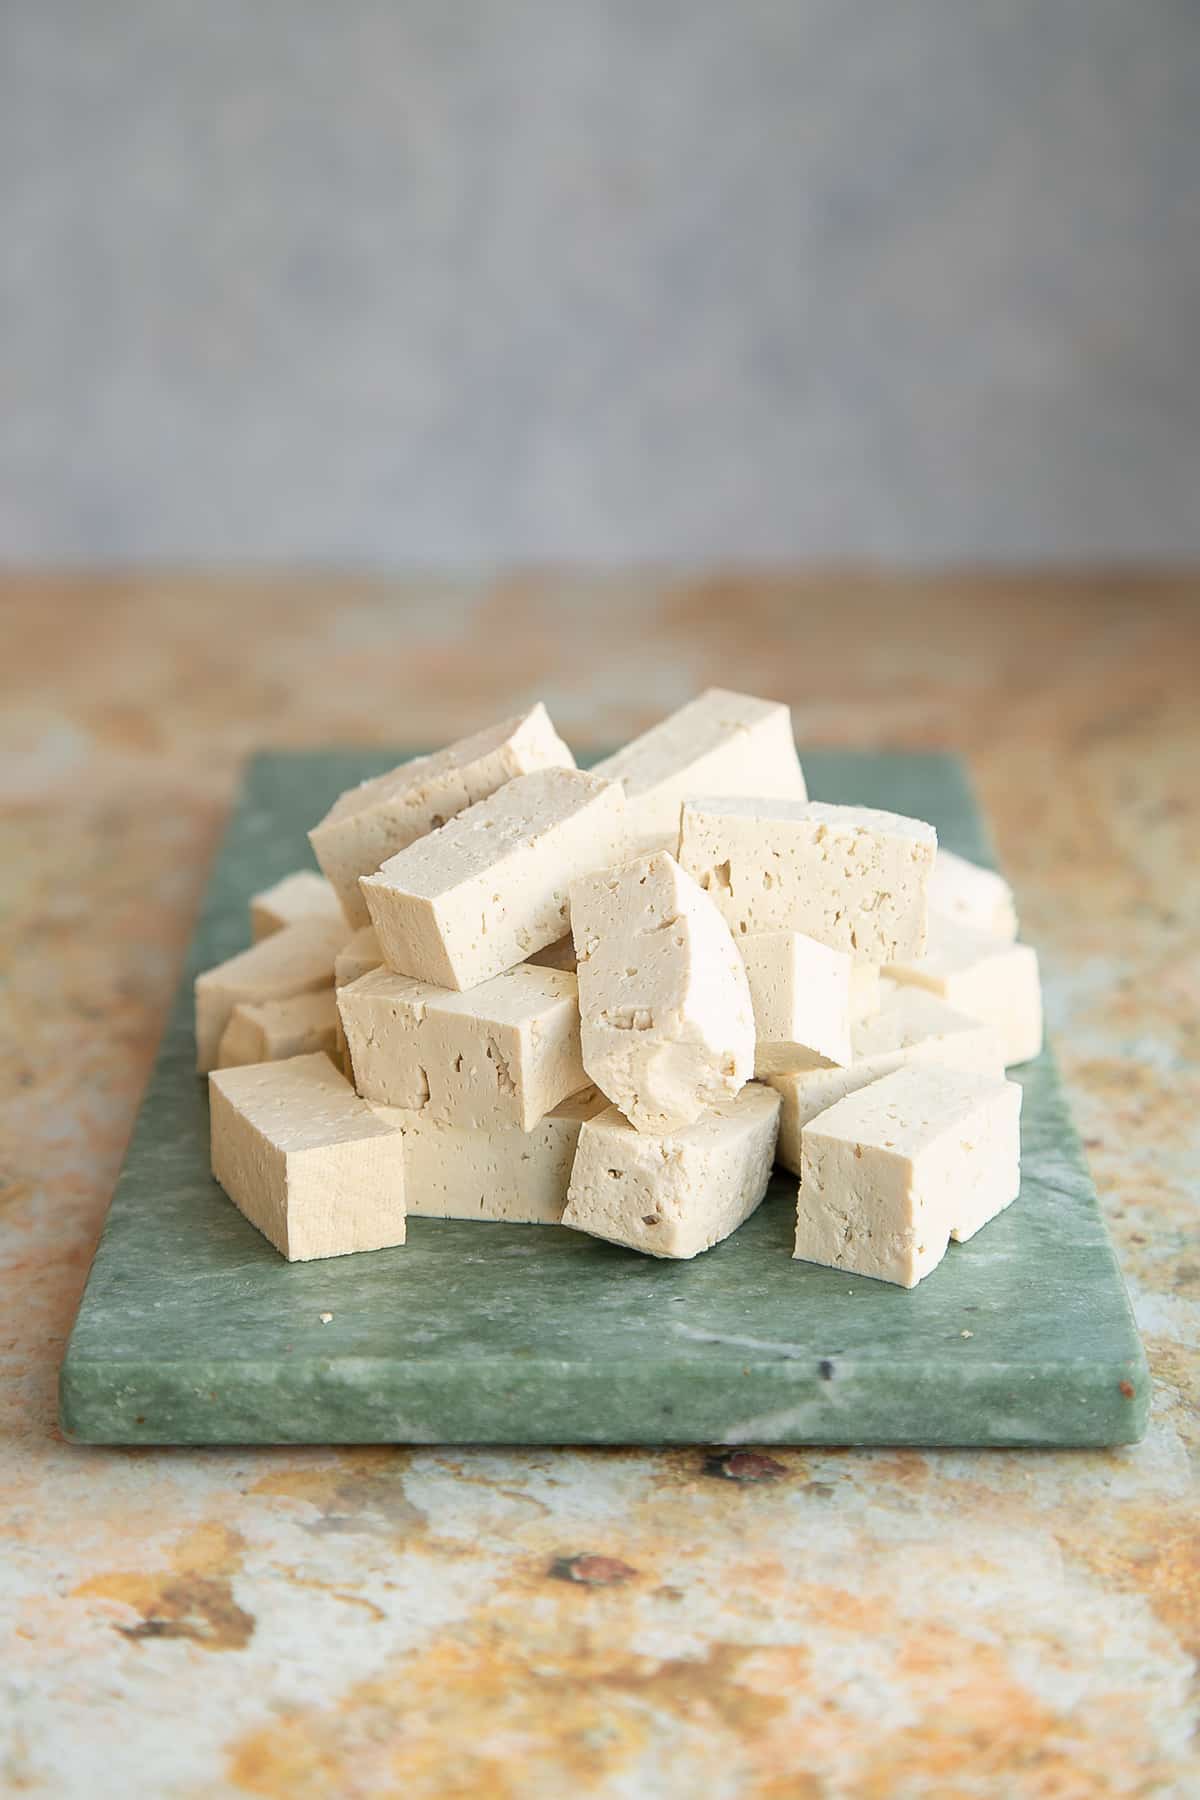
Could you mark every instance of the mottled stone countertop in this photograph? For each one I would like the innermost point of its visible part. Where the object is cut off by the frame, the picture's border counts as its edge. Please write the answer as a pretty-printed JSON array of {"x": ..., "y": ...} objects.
[{"x": 378, "y": 1621}]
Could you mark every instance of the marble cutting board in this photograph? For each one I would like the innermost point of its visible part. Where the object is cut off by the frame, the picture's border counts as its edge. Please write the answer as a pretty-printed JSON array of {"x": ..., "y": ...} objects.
[{"x": 193, "y": 1330}]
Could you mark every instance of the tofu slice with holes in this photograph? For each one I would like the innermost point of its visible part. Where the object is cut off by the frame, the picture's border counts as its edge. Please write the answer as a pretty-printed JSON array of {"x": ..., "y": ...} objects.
[
  {"x": 373, "y": 821},
  {"x": 498, "y": 1057},
  {"x": 298, "y": 959},
  {"x": 911, "y": 1027},
  {"x": 681, "y": 1193},
  {"x": 968, "y": 894},
  {"x": 667, "y": 1020},
  {"x": 848, "y": 876},
  {"x": 302, "y": 895},
  {"x": 805, "y": 999},
  {"x": 984, "y": 976},
  {"x": 487, "y": 890},
  {"x": 719, "y": 743},
  {"x": 515, "y": 1177},
  {"x": 305, "y": 1159},
  {"x": 274, "y": 1030},
  {"x": 889, "y": 1174}
]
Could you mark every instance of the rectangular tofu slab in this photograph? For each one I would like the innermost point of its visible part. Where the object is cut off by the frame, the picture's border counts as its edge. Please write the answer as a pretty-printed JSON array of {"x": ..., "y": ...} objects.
[
  {"x": 667, "y": 1022},
  {"x": 910, "y": 1027},
  {"x": 677, "y": 1195},
  {"x": 305, "y": 1159},
  {"x": 850, "y": 877},
  {"x": 967, "y": 894},
  {"x": 373, "y": 821},
  {"x": 719, "y": 743},
  {"x": 518, "y": 1177},
  {"x": 891, "y": 1173},
  {"x": 805, "y": 1000},
  {"x": 485, "y": 891},
  {"x": 274, "y": 1030},
  {"x": 303, "y": 895},
  {"x": 985, "y": 977},
  {"x": 298, "y": 959},
  {"x": 498, "y": 1057}
]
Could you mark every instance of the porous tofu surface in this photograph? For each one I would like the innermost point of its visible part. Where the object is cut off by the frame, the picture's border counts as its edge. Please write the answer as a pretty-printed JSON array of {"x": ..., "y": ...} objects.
[
  {"x": 890, "y": 1173},
  {"x": 298, "y": 959},
  {"x": 805, "y": 999},
  {"x": 983, "y": 975},
  {"x": 302, "y": 895},
  {"x": 274, "y": 1030},
  {"x": 667, "y": 1021},
  {"x": 681, "y": 1193},
  {"x": 968, "y": 894},
  {"x": 848, "y": 876}
]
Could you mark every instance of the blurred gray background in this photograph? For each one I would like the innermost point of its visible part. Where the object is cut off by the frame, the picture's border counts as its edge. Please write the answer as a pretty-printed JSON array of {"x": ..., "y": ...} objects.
[{"x": 458, "y": 282}]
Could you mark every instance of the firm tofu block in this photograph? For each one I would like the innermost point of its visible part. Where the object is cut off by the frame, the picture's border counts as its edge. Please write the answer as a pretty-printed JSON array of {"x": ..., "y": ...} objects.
[
  {"x": 804, "y": 998},
  {"x": 967, "y": 894},
  {"x": 719, "y": 743},
  {"x": 298, "y": 959},
  {"x": 850, "y": 877},
  {"x": 487, "y": 890},
  {"x": 985, "y": 977},
  {"x": 892, "y": 1172},
  {"x": 501, "y": 1056},
  {"x": 305, "y": 1159},
  {"x": 358, "y": 956},
  {"x": 667, "y": 1021},
  {"x": 679, "y": 1194},
  {"x": 560, "y": 955},
  {"x": 519, "y": 1177},
  {"x": 302, "y": 895},
  {"x": 911, "y": 1027},
  {"x": 274, "y": 1030},
  {"x": 373, "y": 821}
]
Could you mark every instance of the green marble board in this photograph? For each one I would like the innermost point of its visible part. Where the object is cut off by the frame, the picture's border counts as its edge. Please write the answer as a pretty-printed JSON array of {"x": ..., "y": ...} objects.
[{"x": 194, "y": 1331}]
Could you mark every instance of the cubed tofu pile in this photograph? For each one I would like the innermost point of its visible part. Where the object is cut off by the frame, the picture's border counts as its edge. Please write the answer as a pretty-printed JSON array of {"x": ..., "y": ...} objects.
[{"x": 614, "y": 999}]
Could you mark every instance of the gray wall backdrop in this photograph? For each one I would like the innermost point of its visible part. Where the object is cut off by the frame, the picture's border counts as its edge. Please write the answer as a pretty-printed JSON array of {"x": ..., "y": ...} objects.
[{"x": 447, "y": 280}]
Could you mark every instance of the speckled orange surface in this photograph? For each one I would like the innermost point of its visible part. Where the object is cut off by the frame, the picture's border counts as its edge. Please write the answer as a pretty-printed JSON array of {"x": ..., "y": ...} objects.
[{"x": 423, "y": 1624}]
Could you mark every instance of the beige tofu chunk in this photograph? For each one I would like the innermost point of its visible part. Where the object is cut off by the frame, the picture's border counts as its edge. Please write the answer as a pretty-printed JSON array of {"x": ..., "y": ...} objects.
[
  {"x": 984, "y": 976},
  {"x": 371, "y": 822},
  {"x": 676, "y": 1195},
  {"x": 892, "y": 1172},
  {"x": 517, "y": 1177},
  {"x": 302, "y": 895},
  {"x": 719, "y": 743},
  {"x": 667, "y": 1021},
  {"x": 297, "y": 959},
  {"x": 805, "y": 1000},
  {"x": 358, "y": 956},
  {"x": 489, "y": 889},
  {"x": 274, "y": 1030},
  {"x": 848, "y": 876},
  {"x": 967, "y": 894},
  {"x": 305, "y": 1159},
  {"x": 500, "y": 1056},
  {"x": 911, "y": 1027},
  {"x": 560, "y": 955}
]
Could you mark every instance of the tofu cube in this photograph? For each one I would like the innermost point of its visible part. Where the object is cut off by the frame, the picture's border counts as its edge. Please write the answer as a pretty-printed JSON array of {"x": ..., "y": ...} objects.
[
  {"x": 303, "y": 895},
  {"x": 485, "y": 891},
  {"x": 297, "y": 959},
  {"x": 371, "y": 822},
  {"x": 676, "y": 1195},
  {"x": 849, "y": 877},
  {"x": 985, "y": 977},
  {"x": 667, "y": 1020},
  {"x": 305, "y": 1159},
  {"x": 498, "y": 1057},
  {"x": 274, "y": 1030},
  {"x": 804, "y": 997},
  {"x": 889, "y": 1174},
  {"x": 967, "y": 894}
]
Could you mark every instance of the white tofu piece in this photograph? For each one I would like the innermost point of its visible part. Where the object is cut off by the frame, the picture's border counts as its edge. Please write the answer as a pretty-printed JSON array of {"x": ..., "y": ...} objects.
[
  {"x": 985, "y": 977},
  {"x": 850, "y": 877},
  {"x": 967, "y": 894},
  {"x": 298, "y": 959},
  {"x": 804, "y": 997},
  {"x": 519, "y": 1177},
  {"x": 719, "y": 743},
  {"x": 305, "y": 1159},
  {"x": 485, "y": 891},
  {"x": 560, "y": 955},
  {"x": 676, "y": 1195},
  {"x": 274, "y": 1030},
  {"x": 892, "y": 1172},
  {"x": 667, "y": 1021},
  {"x": 912, "y": 1027},
  {"x": 371, "y": 822},
  {"x": 302, "y": 895},
  {"x": 358, "y": 956},
  {"x": 501, "y": 1056}
]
